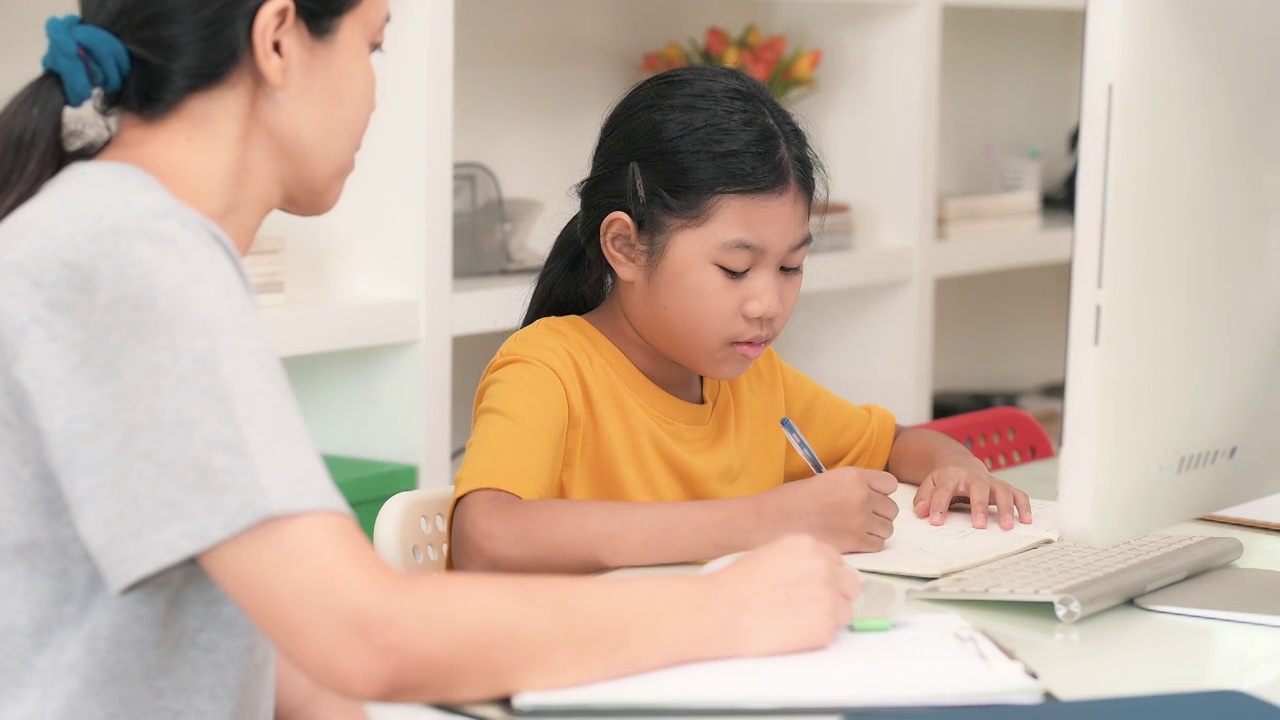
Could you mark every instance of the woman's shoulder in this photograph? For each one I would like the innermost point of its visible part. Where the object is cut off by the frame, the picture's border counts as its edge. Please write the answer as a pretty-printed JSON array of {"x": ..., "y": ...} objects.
[
  {"x": 106, "y": 232},
  {"x": 106, "y": 208}
]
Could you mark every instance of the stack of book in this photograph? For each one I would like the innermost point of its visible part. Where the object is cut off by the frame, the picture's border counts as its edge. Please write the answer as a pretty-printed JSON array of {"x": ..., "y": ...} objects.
[
  {"x": 1002, "y": 214},
  {"x": 832, "y": 227},
  {"x": 264, "y": 264}
]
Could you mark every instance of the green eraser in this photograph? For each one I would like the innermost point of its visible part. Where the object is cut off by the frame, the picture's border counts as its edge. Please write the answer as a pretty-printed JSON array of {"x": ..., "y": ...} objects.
[{"x": 870, "y": 624}]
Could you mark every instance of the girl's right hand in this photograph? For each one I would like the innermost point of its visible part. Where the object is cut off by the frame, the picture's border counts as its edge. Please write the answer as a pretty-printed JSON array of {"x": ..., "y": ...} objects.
[
  {"x": 791, "y": 595},
  {"x": 848, "y": 507}
]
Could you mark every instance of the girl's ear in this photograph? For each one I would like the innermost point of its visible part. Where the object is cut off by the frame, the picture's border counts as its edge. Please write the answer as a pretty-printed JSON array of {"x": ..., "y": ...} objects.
[{"x": 620, "y": 242}]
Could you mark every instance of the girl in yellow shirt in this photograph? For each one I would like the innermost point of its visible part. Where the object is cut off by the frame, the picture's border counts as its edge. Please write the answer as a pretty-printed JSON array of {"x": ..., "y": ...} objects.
[{"x": 634, "y": 419}]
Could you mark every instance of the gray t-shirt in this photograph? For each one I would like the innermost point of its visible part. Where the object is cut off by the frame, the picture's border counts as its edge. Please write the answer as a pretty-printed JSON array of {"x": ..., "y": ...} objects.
[{"x": 143, "y": 420}]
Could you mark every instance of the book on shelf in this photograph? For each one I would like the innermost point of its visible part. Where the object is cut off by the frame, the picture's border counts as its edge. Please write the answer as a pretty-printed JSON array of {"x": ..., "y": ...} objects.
[
  {"x": 269, "y": 299},
  {"x": 832, "y": 227},
  {"x": 1023, "y": 224},
  {"x": 986, "y": 205},
  {"x": 1002, "y": 214},
  {"x": 264, "y": 265}
]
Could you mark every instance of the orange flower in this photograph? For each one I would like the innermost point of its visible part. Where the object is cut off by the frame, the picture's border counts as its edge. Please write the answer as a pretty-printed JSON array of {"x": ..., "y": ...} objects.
[
  {"x": 672, "y": 55},
  {"x": 772, "y": 50},
  {"x": 652, "y": 63},
  {"x": 757, "y": 66},
  {"x": 762, "y": 60},
  {"x": 802, "y": 68},
  {"x": 717, "y": 42},
  {"x": 766, "y": 59}
]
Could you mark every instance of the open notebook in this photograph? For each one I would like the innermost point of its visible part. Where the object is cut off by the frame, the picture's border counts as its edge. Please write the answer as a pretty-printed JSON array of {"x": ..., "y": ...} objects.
[
  {"x": 924, "y": 660},
  {"x": 919, "y": 549},
  {"x": 1263, "y": 513}
]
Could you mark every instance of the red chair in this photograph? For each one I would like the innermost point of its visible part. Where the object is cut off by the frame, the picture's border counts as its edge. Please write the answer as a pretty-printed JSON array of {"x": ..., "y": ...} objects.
[{"x": 1001, "y": 437}]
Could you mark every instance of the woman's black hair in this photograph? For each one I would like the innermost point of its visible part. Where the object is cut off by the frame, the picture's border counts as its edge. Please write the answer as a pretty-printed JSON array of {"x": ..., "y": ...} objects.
[
  {"x": 668, "y": 150},
  {"x": 176, "y": 48}
]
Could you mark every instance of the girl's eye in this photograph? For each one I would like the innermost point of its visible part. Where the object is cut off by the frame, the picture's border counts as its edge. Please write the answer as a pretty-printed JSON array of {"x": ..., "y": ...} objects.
[
  {"x": 733, "y": 274},
  {"x": 792, "y": 270},
  {"x": 376, "y": 48}
]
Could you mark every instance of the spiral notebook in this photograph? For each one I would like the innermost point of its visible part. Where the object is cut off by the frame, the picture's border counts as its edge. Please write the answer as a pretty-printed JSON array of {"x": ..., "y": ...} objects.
[{"x": 931, "y": 660}]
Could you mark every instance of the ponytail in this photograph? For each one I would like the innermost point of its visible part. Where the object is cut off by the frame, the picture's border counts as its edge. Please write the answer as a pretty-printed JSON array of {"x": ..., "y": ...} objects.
[
  {"x": 31, "y": 141},
  {"x": 142, "y": 57},
  {"x": 575, "y": 277}
]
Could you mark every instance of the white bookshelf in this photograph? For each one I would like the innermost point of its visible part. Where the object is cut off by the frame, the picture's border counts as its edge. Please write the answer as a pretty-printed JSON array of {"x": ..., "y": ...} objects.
[
  {"x": 384, "y": 347},
  {"x": 858, "y": 269},
  {"x": 1051, "y": 245},
  {"x": 1070, "y": 5},
  {"x": 485, "y": 305},
  {"x": 326, "y": 326},
  {"x": 1009, "y": 75}
]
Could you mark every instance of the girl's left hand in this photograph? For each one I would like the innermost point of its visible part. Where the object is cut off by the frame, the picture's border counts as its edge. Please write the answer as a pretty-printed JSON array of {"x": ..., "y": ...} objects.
[{"x": 967, "y": 480}]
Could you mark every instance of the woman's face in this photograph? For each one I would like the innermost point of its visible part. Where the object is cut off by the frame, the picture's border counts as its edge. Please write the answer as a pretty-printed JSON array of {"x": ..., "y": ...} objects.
[{"x": 319, "y": 117}]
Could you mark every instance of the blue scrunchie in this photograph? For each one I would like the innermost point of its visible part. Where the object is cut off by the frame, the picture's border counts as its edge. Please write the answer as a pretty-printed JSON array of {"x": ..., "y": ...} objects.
[{"x": 84, "y": 57}]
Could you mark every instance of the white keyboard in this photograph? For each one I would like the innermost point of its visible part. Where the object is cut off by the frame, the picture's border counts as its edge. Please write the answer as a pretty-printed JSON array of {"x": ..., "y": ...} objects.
[{"x": 1081, "y": 580}]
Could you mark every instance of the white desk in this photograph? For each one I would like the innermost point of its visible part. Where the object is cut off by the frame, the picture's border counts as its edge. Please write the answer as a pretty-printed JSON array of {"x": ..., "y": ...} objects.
[{"x": 1121, "y": 651}]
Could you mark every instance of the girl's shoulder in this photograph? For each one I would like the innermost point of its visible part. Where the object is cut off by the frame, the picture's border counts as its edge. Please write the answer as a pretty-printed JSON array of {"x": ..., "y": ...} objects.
[{"x": 557, "y": 342}]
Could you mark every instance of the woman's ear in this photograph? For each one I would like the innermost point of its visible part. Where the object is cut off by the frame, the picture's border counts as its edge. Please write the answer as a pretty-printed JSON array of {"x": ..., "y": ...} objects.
[
  {"x": 271, "y": 39},
  {"x": 620, "y": 241}
]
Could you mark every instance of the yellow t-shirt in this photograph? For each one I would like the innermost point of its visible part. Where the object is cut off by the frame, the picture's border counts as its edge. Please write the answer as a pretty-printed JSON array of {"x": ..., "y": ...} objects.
[{"x": 562, "y": 413}]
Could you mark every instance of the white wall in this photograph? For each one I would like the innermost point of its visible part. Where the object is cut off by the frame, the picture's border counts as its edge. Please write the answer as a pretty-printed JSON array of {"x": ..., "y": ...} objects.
[
  {"x": 535, "y": 80},
  {"x": 23, "y": 40},
  {"x": 1002, "y": 331},
  {"x": 1010, "y": 77},
  {"x": 388, "y": 237}
]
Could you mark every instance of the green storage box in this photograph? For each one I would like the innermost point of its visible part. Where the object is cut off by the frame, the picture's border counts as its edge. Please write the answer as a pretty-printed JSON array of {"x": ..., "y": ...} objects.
[{"x": 366, "y": 484}]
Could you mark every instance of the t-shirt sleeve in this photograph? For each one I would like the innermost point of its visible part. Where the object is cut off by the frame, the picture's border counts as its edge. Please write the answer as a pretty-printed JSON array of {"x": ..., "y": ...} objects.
[
  {"x": 840, "y": 432},
  {"x": 518, "y": 429},
  {"x": 166, "y": 420}
]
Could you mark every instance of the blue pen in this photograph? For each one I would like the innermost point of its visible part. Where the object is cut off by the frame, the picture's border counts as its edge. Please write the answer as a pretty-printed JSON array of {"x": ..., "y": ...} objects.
[{"x": 802, "y": 446}]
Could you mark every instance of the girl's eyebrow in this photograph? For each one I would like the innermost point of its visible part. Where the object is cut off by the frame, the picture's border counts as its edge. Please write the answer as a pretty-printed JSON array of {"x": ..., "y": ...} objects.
[{"x": 754, "y": 249}]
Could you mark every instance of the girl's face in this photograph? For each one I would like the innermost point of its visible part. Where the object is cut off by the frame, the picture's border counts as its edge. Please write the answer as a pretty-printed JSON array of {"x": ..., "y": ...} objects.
[
  {"x": 319, "y": 118},
  {"x": 724, "y": 290}
]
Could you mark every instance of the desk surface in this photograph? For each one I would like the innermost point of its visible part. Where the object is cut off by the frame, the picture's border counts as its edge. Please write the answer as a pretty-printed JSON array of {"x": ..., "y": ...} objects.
[{"x": 1121, "y": 651}]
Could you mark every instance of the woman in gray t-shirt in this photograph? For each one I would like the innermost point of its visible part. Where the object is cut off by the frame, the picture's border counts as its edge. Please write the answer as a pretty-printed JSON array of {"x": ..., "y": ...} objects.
[{"x": 167, "y": 521}]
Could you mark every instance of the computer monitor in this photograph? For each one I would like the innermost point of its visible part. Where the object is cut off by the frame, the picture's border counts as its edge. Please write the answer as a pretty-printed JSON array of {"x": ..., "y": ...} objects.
[{"x": 1172, "y": 404}]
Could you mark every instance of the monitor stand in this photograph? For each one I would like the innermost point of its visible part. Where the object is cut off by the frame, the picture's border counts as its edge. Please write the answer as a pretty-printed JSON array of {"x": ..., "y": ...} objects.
[{"x": 1248, "y": 595}]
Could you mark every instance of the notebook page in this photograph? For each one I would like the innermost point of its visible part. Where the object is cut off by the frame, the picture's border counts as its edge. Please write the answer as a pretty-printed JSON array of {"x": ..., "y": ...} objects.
[
  {"x": 919, "y": 549},
  {"x": 1263, "y": 513},
  {"x": 935, "y": 659}
]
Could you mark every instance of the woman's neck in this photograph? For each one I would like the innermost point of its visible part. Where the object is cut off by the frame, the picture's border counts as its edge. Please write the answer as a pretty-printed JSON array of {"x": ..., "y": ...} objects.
[
  {"x": 667, "y": 374},
  {"x": 207, "y": 157}
]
